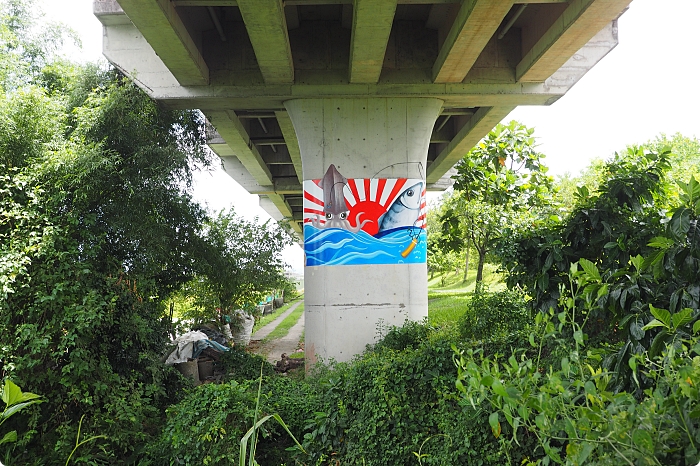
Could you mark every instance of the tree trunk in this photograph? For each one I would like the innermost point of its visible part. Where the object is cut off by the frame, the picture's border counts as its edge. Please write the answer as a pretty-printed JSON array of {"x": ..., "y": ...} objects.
[
  {"x": 480, "y": 268},
  {"x": 466, "y": 265},
  {"x": 171, "y": 330}
]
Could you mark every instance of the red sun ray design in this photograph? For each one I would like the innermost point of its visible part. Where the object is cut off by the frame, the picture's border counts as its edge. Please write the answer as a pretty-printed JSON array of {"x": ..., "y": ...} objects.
[
  {"x": 367, "y": 210},
  {"x": 367, "y": 201}
]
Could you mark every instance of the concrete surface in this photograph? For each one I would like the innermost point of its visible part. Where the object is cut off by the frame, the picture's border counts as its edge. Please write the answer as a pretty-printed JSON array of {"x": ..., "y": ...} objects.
[
  {"x": 273, "y": 349},
  {"x": 264, "y": 331}
]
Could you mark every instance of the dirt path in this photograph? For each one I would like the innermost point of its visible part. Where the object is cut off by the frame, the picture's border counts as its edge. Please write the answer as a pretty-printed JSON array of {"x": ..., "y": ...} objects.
[{"x": 273, "y": 349}]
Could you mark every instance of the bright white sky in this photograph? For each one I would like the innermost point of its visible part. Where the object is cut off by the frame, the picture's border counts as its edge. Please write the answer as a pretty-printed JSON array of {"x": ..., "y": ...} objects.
[{"x": 646, "y": 86}]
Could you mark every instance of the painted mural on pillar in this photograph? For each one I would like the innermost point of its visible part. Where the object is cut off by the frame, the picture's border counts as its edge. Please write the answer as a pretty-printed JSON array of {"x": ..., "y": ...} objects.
[{"x": 364, "y": 221}]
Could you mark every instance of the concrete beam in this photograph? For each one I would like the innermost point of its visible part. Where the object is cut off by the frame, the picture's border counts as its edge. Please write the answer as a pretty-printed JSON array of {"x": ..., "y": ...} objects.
[
  {"x": 273, "y": 205},
  {"x": 290, "y": 136},
  {"x": 586, "y": 58},
  {"x": 232, "y": 131},
  {"x": 478, "y": 125},
  {"x": 160, "y": 25},
  {"x": 287, "y": 185},
  {"x": 281, "y": 204},
  {"x": 371, "y": 26},
  {"x": 577, "y": 25},
  {"x": 273, "y": 97},
  {"x": 475, "y": 24},
  {"x": 267, "y": 28},
  {"x": 445, "y": 182}
]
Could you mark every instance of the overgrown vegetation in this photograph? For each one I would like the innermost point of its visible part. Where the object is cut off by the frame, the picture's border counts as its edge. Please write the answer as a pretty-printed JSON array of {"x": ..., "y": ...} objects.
[
  {"x": 591, "y": 356},
  {"x": 97, "y": 230}
]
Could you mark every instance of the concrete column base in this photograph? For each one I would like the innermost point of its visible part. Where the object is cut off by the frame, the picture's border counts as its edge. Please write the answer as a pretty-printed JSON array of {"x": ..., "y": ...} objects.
[
  {"x": 364, "y": 165},
  {"x": 344, "y": 305}
]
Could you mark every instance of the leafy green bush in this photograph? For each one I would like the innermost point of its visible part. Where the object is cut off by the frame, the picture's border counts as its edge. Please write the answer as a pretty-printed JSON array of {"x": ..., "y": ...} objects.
[
  {"x": 495, "y": 318},
  {"x": 571, "y": 409},
  {"x": 95, "y": 231},
  {"x": 389, "y": 405},
  {"x": 411, "y": 335},
  {"x": 206, "y": 427},
  {"x": 240, "y": 365}
]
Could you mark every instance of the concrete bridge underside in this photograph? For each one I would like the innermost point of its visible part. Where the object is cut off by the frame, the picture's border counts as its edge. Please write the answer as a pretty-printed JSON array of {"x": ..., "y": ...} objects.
[{"x": 380, "y": 90}]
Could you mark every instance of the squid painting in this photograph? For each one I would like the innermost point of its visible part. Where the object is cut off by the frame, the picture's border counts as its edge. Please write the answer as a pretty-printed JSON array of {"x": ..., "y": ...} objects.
[
  {"x": 335, "y": 209},
  {"x": 364, "y": 220}
]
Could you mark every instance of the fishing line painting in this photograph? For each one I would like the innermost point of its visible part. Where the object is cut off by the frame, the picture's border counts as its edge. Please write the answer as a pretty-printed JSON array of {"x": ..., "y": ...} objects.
[{"x": 364, "y": 221}]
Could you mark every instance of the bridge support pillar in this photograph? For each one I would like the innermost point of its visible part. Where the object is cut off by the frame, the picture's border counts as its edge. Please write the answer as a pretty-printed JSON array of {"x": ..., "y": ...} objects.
[{"x": 364, "y": 169}]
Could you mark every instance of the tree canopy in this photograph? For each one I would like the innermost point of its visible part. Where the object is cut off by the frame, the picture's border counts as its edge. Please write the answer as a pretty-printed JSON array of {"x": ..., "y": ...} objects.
[
  {"x": 497, "y": 183},
  {"x": 97, "y": 229}
]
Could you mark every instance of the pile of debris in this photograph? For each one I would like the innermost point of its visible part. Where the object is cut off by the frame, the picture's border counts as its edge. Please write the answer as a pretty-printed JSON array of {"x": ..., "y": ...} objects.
[
  {"x": 195, "y": 352},
  {"x": 286, "y": 363}
]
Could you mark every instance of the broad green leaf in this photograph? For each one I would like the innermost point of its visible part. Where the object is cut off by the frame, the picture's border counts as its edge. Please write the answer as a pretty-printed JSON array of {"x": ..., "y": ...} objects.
[
  {"x": 662, "y": 314},
  {"x": 565, "y": 365},
  {"x": 636, "y": 330},
  {"x": 680, "y": 223},
  {"x": 584, "y": 453},
  {"x": 658, "y": 344},
  {"x": 487, "y": 380},
  {"x": 590, "y": 268},
  {"x": 589, "y": 387},
  {"x": 498, "y": 388},
  {"x": 10, "y": 437},
  {"x": 653, "y": 259},
  {"x": 569, "y": 428},
  {"x": 696, "y": 326},
  {"x": 642, "y": 439},
  {"x": 637, "y": 261},
  {"x": 495, "y": 425},
  {"x": 578, "y": 336},
  {"x": 531, "y": 339},
  {"x": 654, "y": 323},
  {"x": 11, "y": 393},
  {"x": 682, "y": 317},
  {"x": 661, "y": 242},
  {"x": 602, "y": 291},
  {"x": 19, "y": 407}
]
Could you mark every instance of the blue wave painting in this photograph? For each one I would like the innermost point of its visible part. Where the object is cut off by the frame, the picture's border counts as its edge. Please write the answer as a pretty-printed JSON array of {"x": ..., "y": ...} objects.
[{"x": 335, "y": 246}]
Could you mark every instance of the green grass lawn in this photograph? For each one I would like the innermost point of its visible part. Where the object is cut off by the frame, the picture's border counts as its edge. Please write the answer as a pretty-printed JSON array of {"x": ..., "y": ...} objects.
[
  {"x": 446, "y": 308},
  {"x": 284, "y": 326},
  {"x": 266, "y": 319},
  {"x": 448, "y": 294},
  {"x": 453, "y": 282}
]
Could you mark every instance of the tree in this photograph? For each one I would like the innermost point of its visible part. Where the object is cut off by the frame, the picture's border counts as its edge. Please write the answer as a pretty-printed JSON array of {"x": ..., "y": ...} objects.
[
  {"x": 96, "y": 228},
  {"x": 497, "y": 183},
  {"x": 25, "y": 48},
  {"x": 242, "y": 263},
  {"x": 441, "y": 255}
]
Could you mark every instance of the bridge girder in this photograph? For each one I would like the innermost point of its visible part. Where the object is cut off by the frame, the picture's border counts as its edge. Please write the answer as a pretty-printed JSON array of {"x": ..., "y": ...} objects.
[{"x": 240, "y": 60}]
